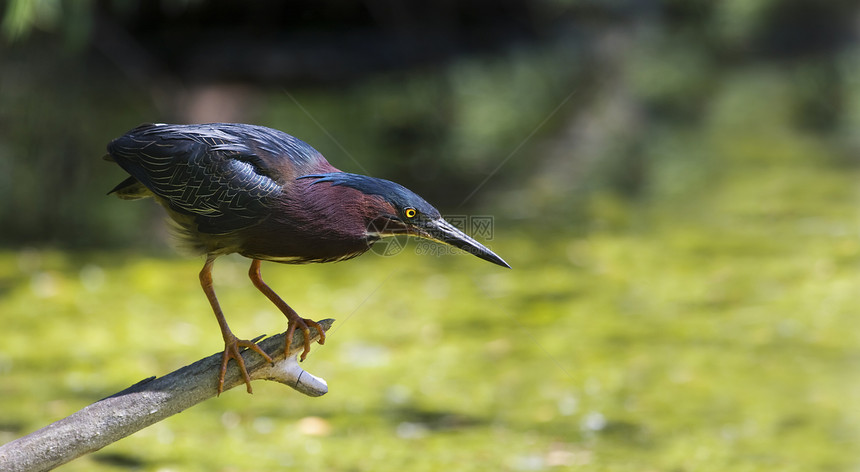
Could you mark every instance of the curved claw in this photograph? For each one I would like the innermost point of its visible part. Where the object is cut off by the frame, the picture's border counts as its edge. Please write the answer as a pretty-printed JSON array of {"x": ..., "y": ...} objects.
[
  {"x": 231, "y": 350},
  {"x": 303, "y": 324}
]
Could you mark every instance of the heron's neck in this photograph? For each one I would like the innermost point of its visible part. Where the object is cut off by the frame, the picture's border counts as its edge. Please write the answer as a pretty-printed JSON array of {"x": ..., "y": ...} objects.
[{"x": 334, "y": 211}]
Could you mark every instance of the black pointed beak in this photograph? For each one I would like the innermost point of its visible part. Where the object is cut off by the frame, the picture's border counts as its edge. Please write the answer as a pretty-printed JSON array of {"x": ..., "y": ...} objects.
[{"x": 442, "y": 231}]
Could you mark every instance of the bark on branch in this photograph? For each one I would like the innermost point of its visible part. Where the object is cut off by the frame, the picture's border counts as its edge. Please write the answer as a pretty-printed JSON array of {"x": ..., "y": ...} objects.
[{"x": 152, "y": 400}]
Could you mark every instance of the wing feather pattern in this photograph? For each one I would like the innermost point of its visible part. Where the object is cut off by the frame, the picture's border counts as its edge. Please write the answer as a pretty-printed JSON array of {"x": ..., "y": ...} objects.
[{"x": 226, "y": 176}]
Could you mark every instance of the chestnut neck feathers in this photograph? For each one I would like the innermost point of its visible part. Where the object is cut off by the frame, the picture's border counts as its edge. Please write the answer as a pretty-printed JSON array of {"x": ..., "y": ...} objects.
[{"x": 316, "y": 223}]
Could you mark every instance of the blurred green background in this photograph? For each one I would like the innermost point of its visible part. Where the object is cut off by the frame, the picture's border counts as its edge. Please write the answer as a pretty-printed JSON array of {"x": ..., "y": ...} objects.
[{"x": 674, "y": 183}]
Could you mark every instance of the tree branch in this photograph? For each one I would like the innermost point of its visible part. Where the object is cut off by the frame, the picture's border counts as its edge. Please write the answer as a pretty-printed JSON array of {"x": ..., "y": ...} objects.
[{"x": 152, "y": 400}]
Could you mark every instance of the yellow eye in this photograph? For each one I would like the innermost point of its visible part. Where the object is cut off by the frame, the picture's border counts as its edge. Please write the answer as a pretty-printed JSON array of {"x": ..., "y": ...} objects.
[{"x": 410, "y": 213}]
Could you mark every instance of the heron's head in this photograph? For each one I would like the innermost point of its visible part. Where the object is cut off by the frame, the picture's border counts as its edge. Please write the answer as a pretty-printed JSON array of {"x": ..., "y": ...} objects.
[{"x": 402, "y": 212}]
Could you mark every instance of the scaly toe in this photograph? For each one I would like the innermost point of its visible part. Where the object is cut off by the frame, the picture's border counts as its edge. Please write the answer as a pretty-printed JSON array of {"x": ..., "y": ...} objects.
[
  {"x": 319, "y": 329},
  {"x": 231, "y": 350}
]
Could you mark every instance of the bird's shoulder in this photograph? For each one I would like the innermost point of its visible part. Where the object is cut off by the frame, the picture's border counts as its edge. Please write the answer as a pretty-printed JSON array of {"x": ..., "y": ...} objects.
[
  {"x": 227, "y": 174},
  {"x": 268, "y": 152}
]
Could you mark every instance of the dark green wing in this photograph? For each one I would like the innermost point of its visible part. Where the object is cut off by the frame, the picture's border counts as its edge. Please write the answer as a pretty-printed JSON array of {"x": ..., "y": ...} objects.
[{"x": 225, "y": 175}]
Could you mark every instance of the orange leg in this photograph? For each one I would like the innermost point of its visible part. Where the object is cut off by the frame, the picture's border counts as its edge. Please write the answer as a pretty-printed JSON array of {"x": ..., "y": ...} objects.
[
  {"x": 231, "y": 342},
  {"x": 293, "y": 318}
]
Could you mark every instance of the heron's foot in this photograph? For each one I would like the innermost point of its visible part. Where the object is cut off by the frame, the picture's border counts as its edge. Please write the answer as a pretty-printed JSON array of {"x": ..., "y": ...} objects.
[
  {"x": 231, "y": 350},
  {"x": 302, "y": 323}
]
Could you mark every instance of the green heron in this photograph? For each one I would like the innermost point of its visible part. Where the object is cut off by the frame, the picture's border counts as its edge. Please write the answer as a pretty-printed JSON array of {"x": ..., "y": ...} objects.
[{"x": 252, "y": 190}]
